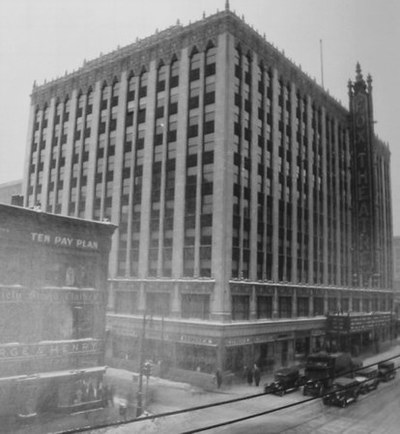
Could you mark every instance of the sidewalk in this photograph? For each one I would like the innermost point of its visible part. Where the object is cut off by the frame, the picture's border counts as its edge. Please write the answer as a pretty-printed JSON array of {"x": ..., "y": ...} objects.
[{"x": 165, "y": 395}]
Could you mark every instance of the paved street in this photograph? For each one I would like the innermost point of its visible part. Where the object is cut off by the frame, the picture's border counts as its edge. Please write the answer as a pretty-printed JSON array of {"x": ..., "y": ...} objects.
[{"x": 376, "y": 412}]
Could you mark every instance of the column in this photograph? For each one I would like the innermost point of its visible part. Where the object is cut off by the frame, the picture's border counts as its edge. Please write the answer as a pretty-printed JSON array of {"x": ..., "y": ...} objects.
[
  {"x": 311, "y": 304},
  {"x": 310, "y": 162},
  {"x": 275, "y": 176},
  {"x": 69, "y": 152},
  {"x": 28, "y": 150},
  {"x": 180, "y": 172},
  {"x": 199, "y": 172},
  {"x": 338, "y": 227},
  {"x": 176, "y": 302},
  {"x": 223, "y": 179},
  {"x": 253, "y": 303},
  {"x": 47, "y": 158},
  {"x": 294, "y": 177},
  {"x": 325, "y": 302},
  {"x": 254, "y": 171},
  {"x": 93, "y": 152},
  {"x": 118, "y": 168},
  {"x": 147, "y": 171},
  {"x": 275, "y": 307},
  {"x": 324, "y": 187}
]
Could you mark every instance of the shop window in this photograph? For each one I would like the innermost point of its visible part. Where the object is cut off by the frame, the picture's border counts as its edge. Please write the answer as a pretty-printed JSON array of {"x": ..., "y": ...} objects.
[
  {"x": 195, "y": 306},
  {"x": 240, "y": 307},
  {"x": 196, "y": 357}
]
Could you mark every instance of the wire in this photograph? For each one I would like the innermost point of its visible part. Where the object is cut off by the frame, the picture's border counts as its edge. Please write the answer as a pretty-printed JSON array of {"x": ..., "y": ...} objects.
[{"x": 214, "y": 404}]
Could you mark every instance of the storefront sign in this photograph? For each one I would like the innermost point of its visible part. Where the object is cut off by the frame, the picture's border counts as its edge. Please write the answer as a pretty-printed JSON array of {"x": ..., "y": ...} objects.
[
  {"x": 197, "y": 340},
  {"x": 63, "y": 241},
  {"x": 51, "y": 349},
  {"x": 345, "y": 324},
  {"x": 50, "y": 295},
  {"x": 245, "y": 340}
]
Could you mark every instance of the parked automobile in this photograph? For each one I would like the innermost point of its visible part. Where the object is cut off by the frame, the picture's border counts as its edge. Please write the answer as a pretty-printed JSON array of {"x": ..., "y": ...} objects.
[
  {"x": 286, "y": 380},
  {"x": 387, "y": 371},
  {"x": 368, "y": 379},
  {"x": 343, "y": 392}
]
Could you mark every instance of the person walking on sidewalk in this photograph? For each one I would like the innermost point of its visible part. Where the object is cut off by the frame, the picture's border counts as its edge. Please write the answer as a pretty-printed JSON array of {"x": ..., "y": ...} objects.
[
  {"x": 257, "y": 375},
  {"x": 218, "y": 377},
  {"x": 249, "y": 375}
]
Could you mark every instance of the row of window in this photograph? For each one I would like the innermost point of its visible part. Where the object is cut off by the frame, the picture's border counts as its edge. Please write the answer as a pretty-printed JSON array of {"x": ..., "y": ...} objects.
[{"x": 198, "y": 305}]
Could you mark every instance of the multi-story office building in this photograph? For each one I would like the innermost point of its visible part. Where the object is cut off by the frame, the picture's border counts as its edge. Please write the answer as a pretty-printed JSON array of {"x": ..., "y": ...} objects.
[{"x": 249, "y": 202}]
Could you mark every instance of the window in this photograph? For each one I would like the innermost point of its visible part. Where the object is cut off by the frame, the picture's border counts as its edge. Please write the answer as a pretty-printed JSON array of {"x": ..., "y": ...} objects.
[
  {"x": 318, "y": 306},
  {"x": 302, "y": 306},
  {"x": 195, "y": 306},
  {"x": 125, "y": 302},
  {"x": 240, "y": 307},
  {"x": 285, "y": 307},
  {"x": 157, "y": 303},
  {"x": 264, "y": 306}
]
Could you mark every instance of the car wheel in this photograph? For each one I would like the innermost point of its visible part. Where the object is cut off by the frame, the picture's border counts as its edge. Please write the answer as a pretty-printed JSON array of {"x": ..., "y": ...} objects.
[
  {"x": 281, "y": 393},
  {"x": 343, "y": 404}
]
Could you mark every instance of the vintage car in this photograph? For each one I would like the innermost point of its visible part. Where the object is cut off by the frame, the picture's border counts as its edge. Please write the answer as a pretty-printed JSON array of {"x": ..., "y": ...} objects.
[
  {"x": 286, "y": 380},
  {"x": 343, "y": 392},
  {"x": 314, "y": 388},
  {"x": 368, "y": 379},
  {"x": 387, "y": 371}
]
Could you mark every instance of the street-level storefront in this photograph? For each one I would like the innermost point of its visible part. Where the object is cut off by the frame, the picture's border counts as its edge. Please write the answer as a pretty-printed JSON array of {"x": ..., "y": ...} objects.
[{"x": 178, "y": 344}]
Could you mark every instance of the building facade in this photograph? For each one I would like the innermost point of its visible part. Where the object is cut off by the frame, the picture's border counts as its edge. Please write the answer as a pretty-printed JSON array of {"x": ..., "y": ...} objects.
[
  {"x": 53, "y": 292},
  {"x": 232, "y": 177}
]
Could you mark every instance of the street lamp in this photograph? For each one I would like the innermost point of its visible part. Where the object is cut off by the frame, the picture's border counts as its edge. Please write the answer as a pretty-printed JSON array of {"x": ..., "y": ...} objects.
[{"x": 139, "y": 408}]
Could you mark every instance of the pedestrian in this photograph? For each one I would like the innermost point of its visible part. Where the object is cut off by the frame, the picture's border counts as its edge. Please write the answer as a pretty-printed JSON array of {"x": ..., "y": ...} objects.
[
  {"x": 218, "y": 377},
  {"x": 249, "y": 376},
  {"x": 106, "y": 394},
  {"x": 257, "y": 375},
  {"x": 111, "y": 395}
]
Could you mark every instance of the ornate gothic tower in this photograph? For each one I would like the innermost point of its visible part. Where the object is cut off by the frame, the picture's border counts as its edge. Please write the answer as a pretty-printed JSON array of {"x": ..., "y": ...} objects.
[
  {"x": 361, "y": 114},
  {"x": 371, "y": 199}
]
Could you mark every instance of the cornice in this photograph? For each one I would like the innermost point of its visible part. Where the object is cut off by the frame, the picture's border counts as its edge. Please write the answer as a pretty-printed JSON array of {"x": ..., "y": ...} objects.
[
  {"x": 163, "y": 46},
  {"x": 168, "y": 43}
]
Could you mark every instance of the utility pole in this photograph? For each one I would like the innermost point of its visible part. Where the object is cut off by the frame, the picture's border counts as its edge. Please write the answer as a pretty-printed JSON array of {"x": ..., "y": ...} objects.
[{"x": 139, "y": 408}]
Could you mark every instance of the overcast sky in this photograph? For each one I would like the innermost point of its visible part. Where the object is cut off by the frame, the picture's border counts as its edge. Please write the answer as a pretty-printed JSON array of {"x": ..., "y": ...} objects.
[{"x": 41, "y": 39}]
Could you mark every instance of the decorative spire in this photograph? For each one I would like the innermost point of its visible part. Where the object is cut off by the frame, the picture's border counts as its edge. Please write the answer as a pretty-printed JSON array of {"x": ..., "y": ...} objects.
[
  {"x": 227, "y": 5},
  {"x": 359, "y": 84},
  {"x": 369, "y": 83},
  {"x": 359, "y": 76}
]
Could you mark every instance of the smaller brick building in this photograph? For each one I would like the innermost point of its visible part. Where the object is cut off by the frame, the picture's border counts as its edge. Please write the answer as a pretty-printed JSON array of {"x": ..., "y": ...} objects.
[{"x": 53, "y": 276}]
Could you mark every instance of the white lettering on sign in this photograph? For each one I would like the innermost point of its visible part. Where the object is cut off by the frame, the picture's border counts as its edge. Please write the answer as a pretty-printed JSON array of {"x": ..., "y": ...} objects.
[
  {"x": 41, "y": 238},
  {"x": 63, "y": 241}
]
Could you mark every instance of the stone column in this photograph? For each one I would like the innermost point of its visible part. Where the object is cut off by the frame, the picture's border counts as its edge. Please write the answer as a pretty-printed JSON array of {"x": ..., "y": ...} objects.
[
  {"x": 147, "y": 172},
  {"x": 275, "y": 307}
]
